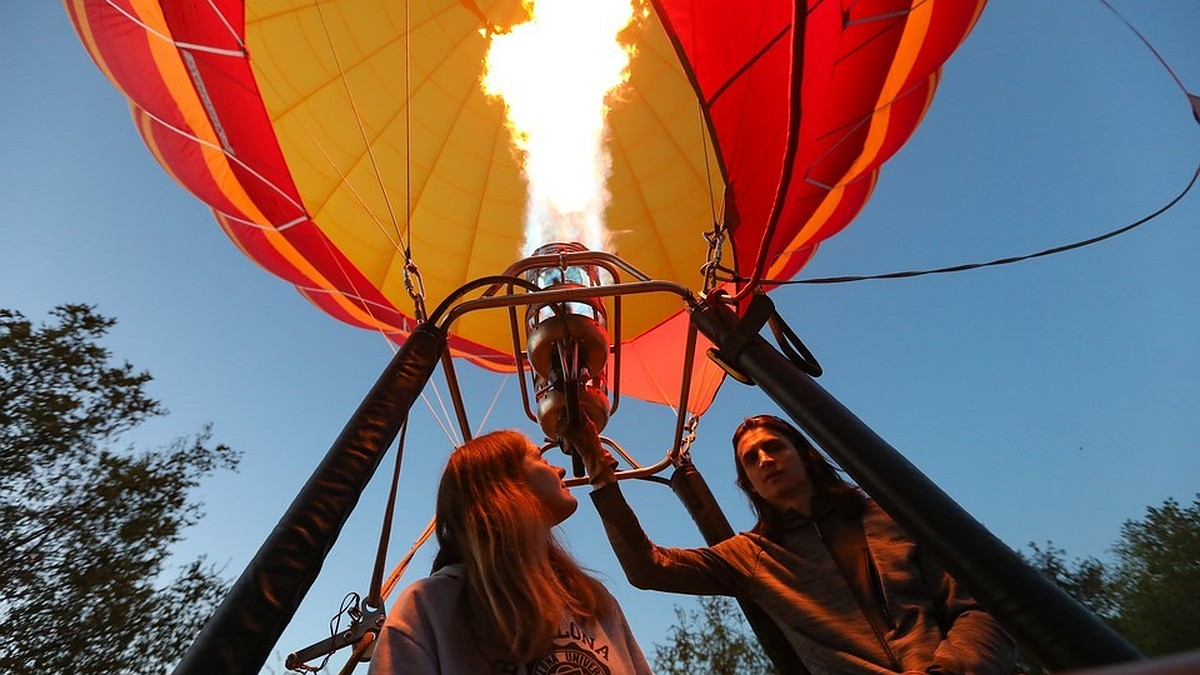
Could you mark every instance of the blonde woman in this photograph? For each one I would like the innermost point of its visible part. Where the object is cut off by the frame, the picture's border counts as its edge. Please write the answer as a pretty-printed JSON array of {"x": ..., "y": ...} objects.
[{"x": 505, "y": 596}]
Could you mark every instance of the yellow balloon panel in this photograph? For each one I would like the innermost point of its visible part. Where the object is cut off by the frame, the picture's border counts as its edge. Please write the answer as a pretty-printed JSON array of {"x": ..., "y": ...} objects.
[{"x": 365, "y": 147}]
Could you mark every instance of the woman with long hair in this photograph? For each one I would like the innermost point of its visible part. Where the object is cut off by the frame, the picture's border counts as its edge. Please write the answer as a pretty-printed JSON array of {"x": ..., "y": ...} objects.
[{"x": 505, "y": 596}]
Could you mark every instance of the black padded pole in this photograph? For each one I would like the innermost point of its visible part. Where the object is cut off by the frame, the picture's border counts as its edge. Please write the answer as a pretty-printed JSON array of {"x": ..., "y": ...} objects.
[
  {"x": 1043, "y": 618},
  {"x": 239, "y": 636},
  {"x": 691, "y": 488}
]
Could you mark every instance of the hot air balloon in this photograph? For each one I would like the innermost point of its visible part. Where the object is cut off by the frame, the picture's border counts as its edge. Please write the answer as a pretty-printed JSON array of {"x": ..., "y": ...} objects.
[
  {"x": 349, "y": 149},
  {"x": 329, "y": 146}
]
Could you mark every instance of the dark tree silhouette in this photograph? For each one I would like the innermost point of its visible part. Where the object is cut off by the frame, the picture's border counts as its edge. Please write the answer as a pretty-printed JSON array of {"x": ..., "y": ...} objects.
[
  {"x": 1147, "y": 592},
  {"x": 87, "y": 527},
  {"x": 712, "y": 639},
  {"x": 1158, "y": 579}
]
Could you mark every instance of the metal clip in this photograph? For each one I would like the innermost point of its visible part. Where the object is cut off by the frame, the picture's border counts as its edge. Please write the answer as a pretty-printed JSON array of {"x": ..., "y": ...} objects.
[{"x": 364, "y": 619}]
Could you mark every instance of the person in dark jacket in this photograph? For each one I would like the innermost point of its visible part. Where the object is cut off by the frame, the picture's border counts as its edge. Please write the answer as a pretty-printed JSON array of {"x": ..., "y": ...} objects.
[{"x": 852, "y": 592}]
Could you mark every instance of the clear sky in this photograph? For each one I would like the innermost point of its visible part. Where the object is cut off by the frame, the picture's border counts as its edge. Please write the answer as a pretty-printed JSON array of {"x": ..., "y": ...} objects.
[{"x": 1053, "y": 399}]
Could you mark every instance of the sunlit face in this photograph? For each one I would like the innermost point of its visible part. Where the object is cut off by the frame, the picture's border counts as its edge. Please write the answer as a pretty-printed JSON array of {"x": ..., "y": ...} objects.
[
  {"x": 546, "y": 482},
  {"x": 774, "y": 468}
]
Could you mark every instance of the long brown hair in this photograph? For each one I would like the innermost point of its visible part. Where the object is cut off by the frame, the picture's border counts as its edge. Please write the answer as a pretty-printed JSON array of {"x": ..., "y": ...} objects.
[
  {"x": 519, "y": 578},
  {"x": 827, "y": 484}
]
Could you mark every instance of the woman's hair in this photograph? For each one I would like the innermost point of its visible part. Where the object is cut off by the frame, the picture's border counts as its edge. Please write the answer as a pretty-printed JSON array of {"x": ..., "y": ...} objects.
[
  {"x": 827, "y": 484},
  {"x": 519, "y": 578}
]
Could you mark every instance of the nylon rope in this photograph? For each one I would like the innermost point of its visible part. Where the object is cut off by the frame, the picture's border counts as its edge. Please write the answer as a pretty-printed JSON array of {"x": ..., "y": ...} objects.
[
  {"x": 228, "y": 26},
  {"x": 791, "y": 145},
  {"x": 1149, "y": 46},
  {"x": 172, "y": 41},
  {"x": 492, "y": 406},
  {"x": 356, "y": 295},
  {"x": 362, "y": 132},
  {"x": 892, "y": 21}
]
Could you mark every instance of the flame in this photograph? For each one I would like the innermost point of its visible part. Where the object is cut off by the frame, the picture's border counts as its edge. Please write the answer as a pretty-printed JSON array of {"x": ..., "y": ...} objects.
[{"x": 555, "y": 74}]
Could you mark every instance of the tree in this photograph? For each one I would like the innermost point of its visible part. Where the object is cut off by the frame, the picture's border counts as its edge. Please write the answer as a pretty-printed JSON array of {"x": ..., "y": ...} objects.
[
  {"x": 1088, "y": 580},
  {"x": 713, "y": 639},
  {"x": 1147, "y": 594},
  {"x": 86, "y": 527},
  {"x": 1158, "y": 578}
]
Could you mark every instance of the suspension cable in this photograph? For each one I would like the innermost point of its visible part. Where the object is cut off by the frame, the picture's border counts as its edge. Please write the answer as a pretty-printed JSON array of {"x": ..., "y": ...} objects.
[{"x": 1001, "y": 261}]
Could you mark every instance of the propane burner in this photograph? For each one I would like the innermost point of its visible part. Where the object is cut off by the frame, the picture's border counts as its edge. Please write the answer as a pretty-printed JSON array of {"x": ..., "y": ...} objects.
[{"x": 568, "y": 345}]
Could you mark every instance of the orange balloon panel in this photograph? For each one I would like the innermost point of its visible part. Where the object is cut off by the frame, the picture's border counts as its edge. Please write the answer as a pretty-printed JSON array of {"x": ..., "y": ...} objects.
[{"x": 329, "y": 137}]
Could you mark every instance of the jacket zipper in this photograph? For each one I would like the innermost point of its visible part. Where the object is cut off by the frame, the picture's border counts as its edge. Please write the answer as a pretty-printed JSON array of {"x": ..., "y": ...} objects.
[
  {"x": 877, "y": 582},
  {"x": 873, "y": 573}
]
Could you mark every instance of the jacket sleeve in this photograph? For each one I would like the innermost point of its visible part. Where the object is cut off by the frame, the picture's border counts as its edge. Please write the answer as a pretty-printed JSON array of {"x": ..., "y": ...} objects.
[
  {"x": 697, "y": 571},
  {"x": 974, "y": 642}
]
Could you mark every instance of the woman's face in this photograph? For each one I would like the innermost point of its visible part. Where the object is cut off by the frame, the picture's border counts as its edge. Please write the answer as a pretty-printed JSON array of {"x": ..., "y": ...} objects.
[{"x": 546, "y": 482}]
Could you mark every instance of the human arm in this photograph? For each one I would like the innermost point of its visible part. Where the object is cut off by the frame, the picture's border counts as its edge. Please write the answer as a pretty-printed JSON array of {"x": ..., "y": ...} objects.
[
  {"x": 697, "y": 571},
  {"x": 700, "y": 571}
]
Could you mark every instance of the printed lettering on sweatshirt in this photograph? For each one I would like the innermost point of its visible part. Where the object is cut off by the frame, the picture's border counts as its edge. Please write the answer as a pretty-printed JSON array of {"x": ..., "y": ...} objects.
[{"x": 574, "y": 652}]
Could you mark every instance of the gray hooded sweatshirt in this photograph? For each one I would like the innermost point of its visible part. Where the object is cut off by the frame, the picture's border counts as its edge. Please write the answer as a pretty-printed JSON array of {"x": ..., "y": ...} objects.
[{"x": 426, "y": 633}]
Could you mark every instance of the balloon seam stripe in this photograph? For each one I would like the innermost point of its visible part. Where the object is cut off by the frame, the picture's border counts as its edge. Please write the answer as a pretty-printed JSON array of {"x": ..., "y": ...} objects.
[
  {"x": 233, "y": 158},
  {"x": 167, "y": 38}
]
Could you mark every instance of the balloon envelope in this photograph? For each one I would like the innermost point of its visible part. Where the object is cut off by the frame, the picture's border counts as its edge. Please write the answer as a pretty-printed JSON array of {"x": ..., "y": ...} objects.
[{"x": 329, "y": 137}]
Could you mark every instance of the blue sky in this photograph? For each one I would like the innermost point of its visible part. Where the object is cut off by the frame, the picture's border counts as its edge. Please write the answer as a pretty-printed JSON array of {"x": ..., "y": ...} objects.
[{"x": 1054, "y": 399}]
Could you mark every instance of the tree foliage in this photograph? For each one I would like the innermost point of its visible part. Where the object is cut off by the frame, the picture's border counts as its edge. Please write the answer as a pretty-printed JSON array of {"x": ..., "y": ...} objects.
[
  {"x": 86, "y": 526},
  {"x": 1158, "y": 578},
  {"x": 1147, "y": 593},
  {"x": 1087, "y": 580},
  {"x": 712, "y": 639}
]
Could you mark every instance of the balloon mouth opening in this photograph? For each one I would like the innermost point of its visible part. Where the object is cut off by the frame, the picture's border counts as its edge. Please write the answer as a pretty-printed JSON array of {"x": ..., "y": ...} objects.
[{"x": 568, "y": 344}]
